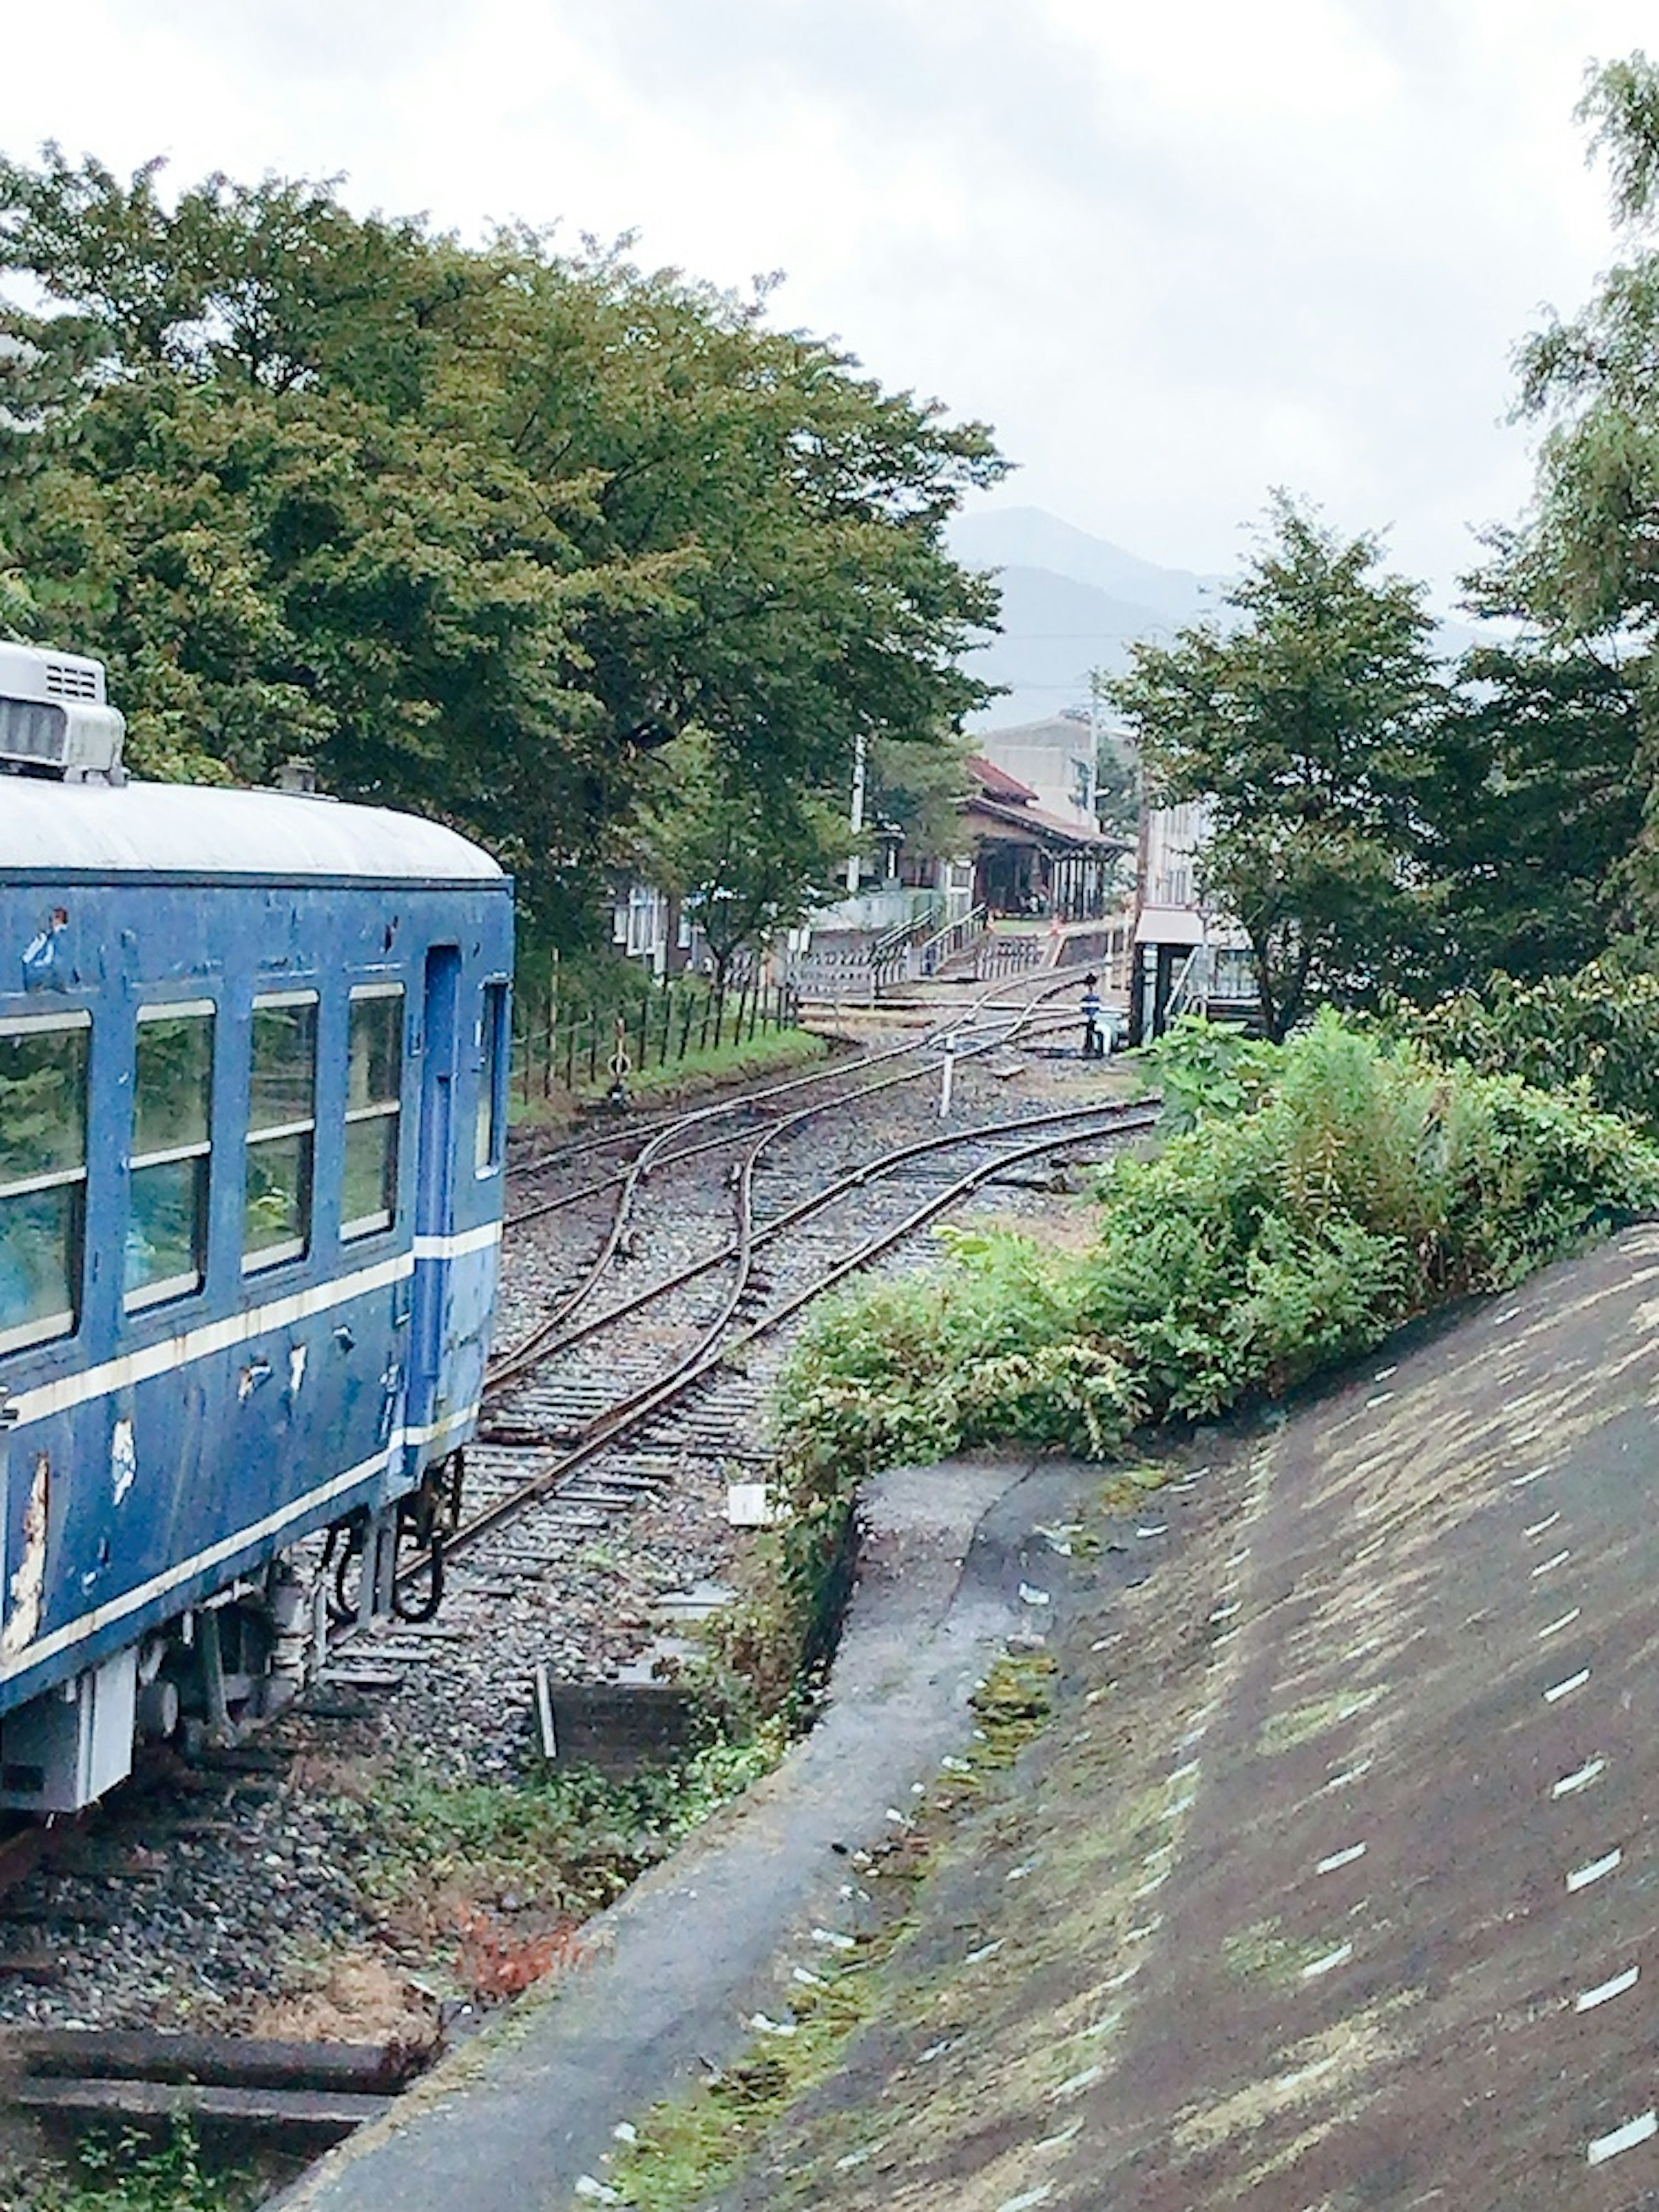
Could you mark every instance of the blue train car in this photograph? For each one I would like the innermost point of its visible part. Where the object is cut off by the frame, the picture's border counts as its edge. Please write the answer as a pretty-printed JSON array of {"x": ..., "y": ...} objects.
[{"x": 253, "y": 1061}]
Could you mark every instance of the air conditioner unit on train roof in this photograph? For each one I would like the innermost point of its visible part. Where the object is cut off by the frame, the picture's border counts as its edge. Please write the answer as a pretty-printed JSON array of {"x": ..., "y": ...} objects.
[{"x": 54, "y": 718}]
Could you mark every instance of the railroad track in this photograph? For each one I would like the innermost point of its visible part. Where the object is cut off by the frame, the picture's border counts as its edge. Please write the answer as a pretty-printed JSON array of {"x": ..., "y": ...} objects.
[
  {"x": 593, "y": 1416},
  {"x": 982, "y": 1027},
  {"x": 630, "y": 1417}
]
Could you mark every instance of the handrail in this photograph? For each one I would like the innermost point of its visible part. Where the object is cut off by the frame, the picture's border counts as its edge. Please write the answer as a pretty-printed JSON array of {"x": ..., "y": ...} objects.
[
  {"x": 903, "y": 932},
  {"x": 1186, "y": 989},
  {"x": 955, "y": 937}
]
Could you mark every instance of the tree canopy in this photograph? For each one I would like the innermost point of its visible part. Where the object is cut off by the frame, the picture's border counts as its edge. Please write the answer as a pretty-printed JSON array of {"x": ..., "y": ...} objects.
[
  {"x": 1529, "y": 808},
  {"x": 1587, "y": 563},
  {"x": 1300, "y": 724},
  {"x": 481, "y": 530}
]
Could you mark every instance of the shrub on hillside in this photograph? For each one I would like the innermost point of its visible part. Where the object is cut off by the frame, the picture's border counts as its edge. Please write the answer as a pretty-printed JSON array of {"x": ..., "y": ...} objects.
[
  {"x": 1597, "y": 1029},
  {"x": 1347, "y": 1184}
]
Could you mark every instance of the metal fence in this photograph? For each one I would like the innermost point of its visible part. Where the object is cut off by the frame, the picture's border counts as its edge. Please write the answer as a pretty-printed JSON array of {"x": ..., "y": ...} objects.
[{"x": 556, "y": 1045}]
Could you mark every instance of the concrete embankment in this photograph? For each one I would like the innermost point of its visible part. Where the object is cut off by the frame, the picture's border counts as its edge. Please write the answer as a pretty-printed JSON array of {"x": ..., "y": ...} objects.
[{"x": 671, "y": 1976}]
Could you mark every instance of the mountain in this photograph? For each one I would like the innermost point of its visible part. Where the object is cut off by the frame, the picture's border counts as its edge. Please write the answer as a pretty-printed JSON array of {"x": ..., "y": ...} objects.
[
  {"x": 1070, "y": 603},
  {"x": 1031, "y": 537}
]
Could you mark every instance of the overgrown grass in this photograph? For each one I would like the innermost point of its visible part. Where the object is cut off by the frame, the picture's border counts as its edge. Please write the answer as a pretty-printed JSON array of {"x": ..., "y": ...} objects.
[
  {"x": 769, "y": 1052},
  {"x": 1325, "y": 1192},
  {"x": 570, "y": 1839},
  {"x": 130, "y": 2173},
  {"x": 766, "y": 1050}
]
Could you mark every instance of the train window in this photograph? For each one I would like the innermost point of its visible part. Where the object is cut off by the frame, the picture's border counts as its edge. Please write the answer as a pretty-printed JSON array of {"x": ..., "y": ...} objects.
[
  {"x": 282, "y": 1130},
  {"x": 492, "y": 1080},
  {"x": 42, "y": 1175},
  {"x": 168, "y": 1168},
  {"x": 373, "y": 1101}
]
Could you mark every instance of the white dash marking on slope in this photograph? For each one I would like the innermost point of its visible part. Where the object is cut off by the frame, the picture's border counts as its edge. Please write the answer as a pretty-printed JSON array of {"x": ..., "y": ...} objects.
[
  {"x": 1340, "y": 1859},
  {"x": 1582, "y": 1877},
  {"x": 1591, "y": 1998},
  {"x": 1641, "y": 2130},
  {"x": 1565, "y": 1689},
  {"x": 1570, "y": 1785},
  {"x": 1548, "y": 1567},
  {"x": 1556, "y": 1627},
  {"x": 1348, "y": 1774},
  {"x": 1288, "y": 2083},
  {"x": 1076, "y": 2083},
  {"x": 1521, "y": 1481},
  {"x": 1539, "y": 1527},
  {"x": 1340, "y": 1957}
]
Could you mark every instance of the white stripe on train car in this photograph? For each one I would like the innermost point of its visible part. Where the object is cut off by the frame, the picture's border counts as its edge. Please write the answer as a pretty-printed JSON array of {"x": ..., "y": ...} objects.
[
  {"x": 170, "y": 1578},
  {"x": 175, "y": 1352},
  {"x": 457, "y": 1247}
]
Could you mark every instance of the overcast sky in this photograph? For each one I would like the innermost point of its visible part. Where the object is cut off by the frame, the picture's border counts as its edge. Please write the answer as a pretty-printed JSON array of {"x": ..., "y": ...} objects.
[{"x": 1175, "y": 251}]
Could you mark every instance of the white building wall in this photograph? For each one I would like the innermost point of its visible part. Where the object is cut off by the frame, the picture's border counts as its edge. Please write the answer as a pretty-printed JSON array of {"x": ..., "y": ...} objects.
[{"x": 1054, "y": 759}]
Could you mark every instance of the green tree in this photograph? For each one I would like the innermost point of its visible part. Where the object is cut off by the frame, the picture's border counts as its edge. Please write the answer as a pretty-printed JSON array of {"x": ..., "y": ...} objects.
[
  {"x": 1300, "y": 724},
  {"x": 917, "y": 789},
  {"x": 1589, "y": 563},
  {"x": 747, "y": 856},
  {"x": 1586, "y": 566},
  {"x": 1530, "y": 807},
  {"x": 477, "y": 531}
]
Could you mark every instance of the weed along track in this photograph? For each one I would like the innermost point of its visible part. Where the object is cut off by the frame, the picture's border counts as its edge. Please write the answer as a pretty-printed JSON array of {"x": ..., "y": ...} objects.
[{"x": 398, "y": 1851}]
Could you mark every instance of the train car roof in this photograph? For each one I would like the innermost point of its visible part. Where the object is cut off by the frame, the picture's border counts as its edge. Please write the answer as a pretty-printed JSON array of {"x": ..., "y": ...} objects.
[{"x": 51, "y": 831}]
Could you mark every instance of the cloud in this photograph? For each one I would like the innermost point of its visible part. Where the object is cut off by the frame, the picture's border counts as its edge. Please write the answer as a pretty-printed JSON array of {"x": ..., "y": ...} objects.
[{"x": 1176, "y": 255}]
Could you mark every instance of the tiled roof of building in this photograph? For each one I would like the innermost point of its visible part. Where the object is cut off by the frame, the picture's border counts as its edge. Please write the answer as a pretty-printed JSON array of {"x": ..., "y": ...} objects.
[
  {"x": 997, "y": 781},
  {"x": 1045, "y": 827}
]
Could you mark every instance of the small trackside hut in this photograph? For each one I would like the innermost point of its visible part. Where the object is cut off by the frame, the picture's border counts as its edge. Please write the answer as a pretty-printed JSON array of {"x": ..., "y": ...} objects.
[{"x": 253, "y": 1056}]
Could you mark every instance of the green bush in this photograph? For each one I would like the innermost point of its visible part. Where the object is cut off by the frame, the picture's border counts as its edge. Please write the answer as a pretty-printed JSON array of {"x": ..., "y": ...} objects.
[
  {"x": 1595, "y": 1031},
  {"x": 1326, "y": 1191}
]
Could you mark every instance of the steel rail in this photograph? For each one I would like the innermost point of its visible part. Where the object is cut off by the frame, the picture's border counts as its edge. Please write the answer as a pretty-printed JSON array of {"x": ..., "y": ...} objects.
[
  {"x": 642, "y": 1404},
  {"x": 649, "y": 1156},
  {"x": 741, "y": 1101},
  {"x": 523, "y": 1360}
]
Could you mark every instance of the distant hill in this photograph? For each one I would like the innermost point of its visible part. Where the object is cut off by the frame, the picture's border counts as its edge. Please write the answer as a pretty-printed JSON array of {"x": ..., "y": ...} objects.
[
  {"x": 1030, "y": 538},
  {"x": 1072, "y": 602}
]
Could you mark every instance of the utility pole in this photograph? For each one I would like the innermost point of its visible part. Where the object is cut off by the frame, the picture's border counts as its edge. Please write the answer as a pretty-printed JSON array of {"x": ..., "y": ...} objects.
[{"x": 855, "y": 817}]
